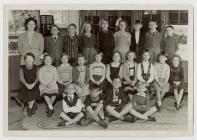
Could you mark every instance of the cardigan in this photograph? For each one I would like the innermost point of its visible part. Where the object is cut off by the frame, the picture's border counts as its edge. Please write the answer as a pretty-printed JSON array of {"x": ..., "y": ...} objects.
[{"x": 126, "y": 72}]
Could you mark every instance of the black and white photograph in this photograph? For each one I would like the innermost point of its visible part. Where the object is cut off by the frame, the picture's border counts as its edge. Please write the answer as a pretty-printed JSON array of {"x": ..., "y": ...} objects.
[{"x": 92, "y": 69}]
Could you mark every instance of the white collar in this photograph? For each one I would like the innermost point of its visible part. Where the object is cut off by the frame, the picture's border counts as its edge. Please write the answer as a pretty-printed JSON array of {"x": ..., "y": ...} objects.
[
  {"x": 65, "y": 65},
  {"x": 143, "y": 94}
]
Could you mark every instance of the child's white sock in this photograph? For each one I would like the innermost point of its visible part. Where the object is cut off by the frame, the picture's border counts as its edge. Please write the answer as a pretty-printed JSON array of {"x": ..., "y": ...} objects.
[{"x": 51, "y": 107}]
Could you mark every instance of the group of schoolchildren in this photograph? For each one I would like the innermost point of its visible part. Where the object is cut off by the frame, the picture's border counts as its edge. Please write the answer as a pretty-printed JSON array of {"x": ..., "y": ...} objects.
[{"x": 97, "y": 88}]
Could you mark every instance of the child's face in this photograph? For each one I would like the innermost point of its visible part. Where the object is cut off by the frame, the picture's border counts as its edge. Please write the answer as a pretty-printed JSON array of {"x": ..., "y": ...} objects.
[
  {"x": 81, "y": 61},
  {"x": 95, "y": 92},
  {"x": 70, "y": 89},
  {"x": 131, "y": 56},
  {"x": 98, "y": 58},
  {"x": 152, "y": 25},
  {"x": 116, "y": 57},
  {"x": 104, "y": 25},
  {"x": 137, "y": 27},
  {"x": 71, "y": 30},
  {"x": 169, "y": 31},
  {"x": 175, "y": 61},
  {"x": 87, "y": 28},
  {"x": 54, "y": 30},
  {"x": 116, "y": 83},
  {"x": 64, "y": 59},
  {"x": 48, "y": 60},
  {"x": 29, "y": 60},
  {"x": 146, "y": 56},
  {"x": 31, "y": 26},
  {"x": 162, "y": 59},
  {"x": 122, "y": 26}
]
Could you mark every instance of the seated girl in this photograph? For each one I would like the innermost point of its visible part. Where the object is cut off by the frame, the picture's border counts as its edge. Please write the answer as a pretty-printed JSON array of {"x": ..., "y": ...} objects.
[
  {"x": 177, "y": 80},
  {"x": 162, "y": 73},
  {"x": 48, "y": 86},
  {"x": 130, "y": 74},
  {"x": 97, "y": 72},
  {"x": 114, "y": 69},
  {"x": 145, "y": 72},
  {"x": 64, "y": 73},
  {"x": 29, "y": 84}
]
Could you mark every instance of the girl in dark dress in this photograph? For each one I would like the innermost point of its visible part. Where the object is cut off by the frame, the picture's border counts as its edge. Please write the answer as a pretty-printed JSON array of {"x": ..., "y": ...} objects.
[
  {"x": 130, "y": 74},
  {"x": 177, "y": 80},
  {"x": 114, "y": 69},
  {"x": 29, "y": 83}
]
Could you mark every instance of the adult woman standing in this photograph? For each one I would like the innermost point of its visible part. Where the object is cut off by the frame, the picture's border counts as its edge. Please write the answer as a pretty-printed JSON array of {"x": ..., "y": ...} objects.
[{"x": 31, "y": 41}]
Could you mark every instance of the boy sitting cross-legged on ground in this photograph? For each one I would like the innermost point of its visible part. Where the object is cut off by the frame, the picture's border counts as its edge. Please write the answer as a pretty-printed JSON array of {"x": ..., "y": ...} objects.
[
  {"x": 94, "y": 107},
  {"x": 71, "y": 107},
  {"x": 143, "y": 106},
  {"x": 117, "y": 102}
]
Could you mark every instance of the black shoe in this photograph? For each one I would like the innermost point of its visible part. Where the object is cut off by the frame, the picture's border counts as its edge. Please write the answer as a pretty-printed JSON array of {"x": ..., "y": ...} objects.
[
  {"x": 152, "y": 119},
  {"x": 50, "y": 112},
  {"x": 111, "y": 119},
  {"x": 159, "y": 108},
  {"x": 103, "y": 124},
  {"x": 128, "y": 118},
  {"x": 86, "y": 122},
  {"x": 60, "y": 124},
  {"x": 29, "y": 112}
]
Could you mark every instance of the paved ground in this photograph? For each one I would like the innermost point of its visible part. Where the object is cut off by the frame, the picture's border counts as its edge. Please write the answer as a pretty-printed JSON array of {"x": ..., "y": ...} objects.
[{"x": 168, "y": 119}]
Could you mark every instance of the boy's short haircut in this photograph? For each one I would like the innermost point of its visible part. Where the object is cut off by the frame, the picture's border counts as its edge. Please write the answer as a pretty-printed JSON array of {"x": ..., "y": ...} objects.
[
  {"x": 169, "y": 26},
  {"x": 54, "y": 25},
  {"x": 80, "y": 55},
  {"x": 99, "y": 53},
  {"x": 138, "y": 22},
  {"x": 64, "y": 54},
  {"x": 46, "y": 55},
  {"x": 72, "y": 24},
  {"x": 101, "y": 21},
  {"x": 69, "y": 85},
  {"x": 95, "y": 87},
  {"x": 161, "y": 54}
]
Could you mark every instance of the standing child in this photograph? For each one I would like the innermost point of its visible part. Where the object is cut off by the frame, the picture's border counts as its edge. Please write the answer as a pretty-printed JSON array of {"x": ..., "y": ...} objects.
[
  {"x": 122, "y": 39},
  {"x": 97, "y": 72},
  {"x": 130, "y": 74},
  {"x": 143, "y": 106},
  {"x": 94, "y": 107},
  {"x": 64, "y": 73},
  {"x": 81, "y": 77},
  {"x": 145, "y": 72},
  {"x": 117, "y": 102},
  {"x": 29, "y": 83},
  {"x": 162, "y": 74},
  {"x": 177, "y": 80},
  {"x": 138, "y": 40},
  {"x": 105, "y": 41},
  {"x": 71, "y": 46},
  {"x": 48, "y": 86},
  {"x": 88, "y": 42},
  {"x": 153, "y": 40},
  {"x": 170, "y": 42},
  {"x": 54, "y": 45},
  {"x": 114, "y": 69},
  {"x": 71, "y": 113}
]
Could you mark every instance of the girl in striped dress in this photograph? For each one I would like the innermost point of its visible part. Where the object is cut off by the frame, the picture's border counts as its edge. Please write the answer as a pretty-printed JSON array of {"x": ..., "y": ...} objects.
[{"x": 71, "y": 46}]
